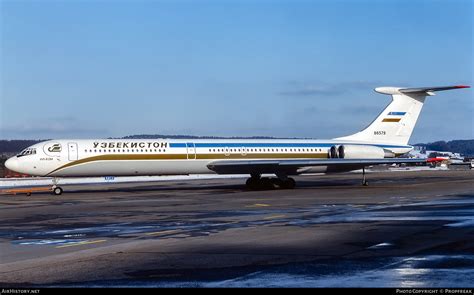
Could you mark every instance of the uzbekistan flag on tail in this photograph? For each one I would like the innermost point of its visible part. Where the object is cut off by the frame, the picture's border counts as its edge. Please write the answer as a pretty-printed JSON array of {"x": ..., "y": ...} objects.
[{"x": 394, "y": 117}]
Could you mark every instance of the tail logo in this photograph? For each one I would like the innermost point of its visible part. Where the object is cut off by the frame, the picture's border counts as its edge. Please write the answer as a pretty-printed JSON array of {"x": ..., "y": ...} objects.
[{"x": 393, "y": 115}]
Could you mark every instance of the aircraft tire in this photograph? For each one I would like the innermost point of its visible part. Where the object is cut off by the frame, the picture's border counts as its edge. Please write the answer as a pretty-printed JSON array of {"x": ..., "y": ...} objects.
[
  {"x": 57, "y": 191},
  {"x": 266, "y": 183},
  {"x": 289, "y": 183},
  {"x": 252, "y": 183}
]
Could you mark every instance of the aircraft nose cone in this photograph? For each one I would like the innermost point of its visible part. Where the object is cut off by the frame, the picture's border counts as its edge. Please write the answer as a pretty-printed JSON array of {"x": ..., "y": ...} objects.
[{"x": 12, "y": 164}]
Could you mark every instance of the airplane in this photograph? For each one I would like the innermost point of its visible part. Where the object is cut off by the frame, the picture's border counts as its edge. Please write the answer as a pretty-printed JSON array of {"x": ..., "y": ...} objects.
[{"x": 381, "y": 142}]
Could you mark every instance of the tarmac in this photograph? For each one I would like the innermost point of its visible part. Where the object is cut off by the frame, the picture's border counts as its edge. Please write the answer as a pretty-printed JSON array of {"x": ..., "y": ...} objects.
[{"x": 407, "y": 228}]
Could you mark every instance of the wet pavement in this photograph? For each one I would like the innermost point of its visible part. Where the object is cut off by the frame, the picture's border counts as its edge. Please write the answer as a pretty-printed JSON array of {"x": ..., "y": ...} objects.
[
  {"x": 458, "y": 211},
  {"x": 405, "y": 230},
  {"x": 429, "y": 271}
]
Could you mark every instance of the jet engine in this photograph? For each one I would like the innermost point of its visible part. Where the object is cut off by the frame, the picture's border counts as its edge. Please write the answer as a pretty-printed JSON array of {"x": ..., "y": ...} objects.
[{"x": 351, "y": 151}]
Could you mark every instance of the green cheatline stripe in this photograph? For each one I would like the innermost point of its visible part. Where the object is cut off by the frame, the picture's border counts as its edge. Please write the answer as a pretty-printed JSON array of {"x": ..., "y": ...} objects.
[{"x": 220, "y": 156}]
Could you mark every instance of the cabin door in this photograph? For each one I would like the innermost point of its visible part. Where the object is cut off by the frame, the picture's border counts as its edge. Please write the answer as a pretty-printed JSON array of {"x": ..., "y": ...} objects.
[
  {"x": 191, "y": 150},
  {"x": 72, "y": 150}
]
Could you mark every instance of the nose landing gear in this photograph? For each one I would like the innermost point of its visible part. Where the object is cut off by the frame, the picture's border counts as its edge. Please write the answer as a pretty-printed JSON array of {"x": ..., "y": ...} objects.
[{"x": 55, "y": 189}]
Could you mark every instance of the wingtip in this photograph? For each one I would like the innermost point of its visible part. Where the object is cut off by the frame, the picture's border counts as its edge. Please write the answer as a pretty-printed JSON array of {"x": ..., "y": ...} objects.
[{"x": 463, "y": 86}]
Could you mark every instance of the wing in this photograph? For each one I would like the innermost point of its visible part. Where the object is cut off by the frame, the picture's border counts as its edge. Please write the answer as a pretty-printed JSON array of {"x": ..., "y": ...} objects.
[{"x": 292, "y": 167}]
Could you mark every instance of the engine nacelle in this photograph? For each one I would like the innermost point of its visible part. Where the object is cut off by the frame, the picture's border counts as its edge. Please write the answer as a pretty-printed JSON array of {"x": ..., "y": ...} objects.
[
  {"x": 334, "y": 152},
  {"x": 351, "y": 151}
]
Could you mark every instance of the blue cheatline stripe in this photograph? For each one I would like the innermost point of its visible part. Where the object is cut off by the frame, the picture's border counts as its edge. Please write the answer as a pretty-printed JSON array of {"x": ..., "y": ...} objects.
[
  {"x": 177, "y": 145},
  {"x": 397, "y": 113},
  {"x": 251, "y": 145},
  {"x": 277, "y": 145}
]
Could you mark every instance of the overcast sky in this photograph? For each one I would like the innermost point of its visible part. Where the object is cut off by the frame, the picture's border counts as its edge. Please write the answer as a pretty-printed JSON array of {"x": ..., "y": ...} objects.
[{"x": 80, "y": 69}]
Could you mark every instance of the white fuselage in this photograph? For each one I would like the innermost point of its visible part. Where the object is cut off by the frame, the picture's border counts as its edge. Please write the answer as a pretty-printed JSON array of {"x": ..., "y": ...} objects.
[{"x": 114, "y": 157}]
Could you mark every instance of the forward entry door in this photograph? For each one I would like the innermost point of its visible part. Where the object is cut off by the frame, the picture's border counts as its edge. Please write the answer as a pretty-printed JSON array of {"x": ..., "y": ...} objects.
[{"x": 72, "y": 150}]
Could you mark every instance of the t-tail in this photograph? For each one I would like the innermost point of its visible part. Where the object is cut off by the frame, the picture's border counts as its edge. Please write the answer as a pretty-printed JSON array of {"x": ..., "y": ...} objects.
[{"x": 396, "y": 122}]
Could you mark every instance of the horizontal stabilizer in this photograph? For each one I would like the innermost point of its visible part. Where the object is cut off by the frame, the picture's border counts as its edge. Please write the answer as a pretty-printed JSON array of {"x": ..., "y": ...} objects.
[{"x": 422, "y": 90}]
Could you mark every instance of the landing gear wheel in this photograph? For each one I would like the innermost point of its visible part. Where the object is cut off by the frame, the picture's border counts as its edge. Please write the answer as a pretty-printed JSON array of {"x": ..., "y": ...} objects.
[
  {"x": 289, "y": 183},
  {"x": 365, "y": 183},
  {"x": 266, "y": 183},
  {"x": 57, "y": 191},
  {"x": 269, "y": 183},
  {"x": 253, "y": 183}
]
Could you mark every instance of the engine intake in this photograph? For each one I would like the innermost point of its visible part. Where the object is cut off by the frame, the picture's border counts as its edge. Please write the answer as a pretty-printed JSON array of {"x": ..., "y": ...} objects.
[{"x": 351, "y": 151}]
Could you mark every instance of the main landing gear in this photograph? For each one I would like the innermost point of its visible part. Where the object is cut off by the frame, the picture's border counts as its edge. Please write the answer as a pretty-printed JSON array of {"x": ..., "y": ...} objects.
[{"x": 255, "y": 182}]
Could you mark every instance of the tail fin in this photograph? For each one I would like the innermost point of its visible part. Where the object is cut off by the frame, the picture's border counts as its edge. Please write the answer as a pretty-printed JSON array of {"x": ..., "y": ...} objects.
[{"x": 396, "y": 122}]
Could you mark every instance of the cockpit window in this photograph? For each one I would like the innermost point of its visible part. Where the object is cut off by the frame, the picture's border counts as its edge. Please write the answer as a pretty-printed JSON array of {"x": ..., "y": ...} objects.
[{"x": 27, "y": 152}]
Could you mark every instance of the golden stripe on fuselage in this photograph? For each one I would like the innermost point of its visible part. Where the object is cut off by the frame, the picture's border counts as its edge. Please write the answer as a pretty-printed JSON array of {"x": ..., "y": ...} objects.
[{"x": 212, "y": 156}]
